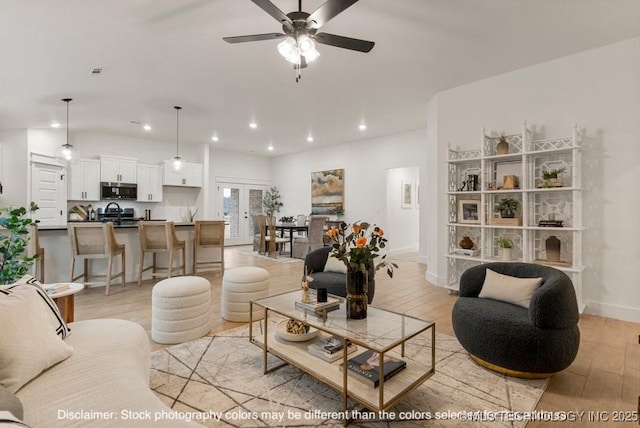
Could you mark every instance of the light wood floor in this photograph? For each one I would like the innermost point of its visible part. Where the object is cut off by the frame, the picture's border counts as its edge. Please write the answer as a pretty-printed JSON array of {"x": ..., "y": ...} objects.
[{"x": 604, "y": 377}]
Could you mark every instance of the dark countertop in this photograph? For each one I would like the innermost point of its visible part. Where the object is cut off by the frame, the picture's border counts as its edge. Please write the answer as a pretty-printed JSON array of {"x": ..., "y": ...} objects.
[{"x": 116, "y": 227}]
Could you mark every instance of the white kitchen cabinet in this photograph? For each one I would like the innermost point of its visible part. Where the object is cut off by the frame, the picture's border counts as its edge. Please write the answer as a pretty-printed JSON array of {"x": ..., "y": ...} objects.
[
  {"x": 149, "y": 183},
  {"x": 84, "y": 181},
  {"x": 548, "y": 226},
  {"x": 190, "y": 176},
  {"x": 118, "y": 170}
]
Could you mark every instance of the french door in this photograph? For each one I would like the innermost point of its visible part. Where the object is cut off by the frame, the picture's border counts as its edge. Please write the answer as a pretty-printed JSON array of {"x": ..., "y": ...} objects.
[{"x": 236, "y": 203}]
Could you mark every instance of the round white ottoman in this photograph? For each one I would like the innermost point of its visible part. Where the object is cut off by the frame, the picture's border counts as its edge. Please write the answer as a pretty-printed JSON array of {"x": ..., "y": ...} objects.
[
  {"x": 239, "y": 287},
  {"x": 180, "y": 309}
]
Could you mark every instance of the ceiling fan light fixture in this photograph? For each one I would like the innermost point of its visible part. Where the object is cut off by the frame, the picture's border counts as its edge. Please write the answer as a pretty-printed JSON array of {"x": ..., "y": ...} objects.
[
  {"x": 311, "y": 55},
  {"x": 66, "y": 152},
  {"x": 305, "y": 44},
  {"x": 286, "y": 46}
]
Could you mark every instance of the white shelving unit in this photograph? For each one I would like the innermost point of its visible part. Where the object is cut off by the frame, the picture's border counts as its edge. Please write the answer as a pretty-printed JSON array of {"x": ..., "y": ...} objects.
[{"x": 527, "y": 159}]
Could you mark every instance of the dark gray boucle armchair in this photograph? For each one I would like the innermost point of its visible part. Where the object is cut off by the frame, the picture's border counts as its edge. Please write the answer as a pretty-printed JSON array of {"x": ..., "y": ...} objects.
[
  {"x": 334, "y": 282},
  {"x": 533, "y": 342}
]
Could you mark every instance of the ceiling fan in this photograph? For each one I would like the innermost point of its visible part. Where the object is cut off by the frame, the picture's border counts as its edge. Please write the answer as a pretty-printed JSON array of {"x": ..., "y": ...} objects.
[{"x": 300, "y": 30}]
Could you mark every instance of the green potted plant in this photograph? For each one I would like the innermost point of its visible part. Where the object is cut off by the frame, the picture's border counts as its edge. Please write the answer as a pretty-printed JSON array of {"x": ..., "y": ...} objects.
[
  {"x": 550, "y": 177},
  {"x": 271, "y": 201},
  {"x": 338, "y": 212},
  {"x": 14, "y": 262},
  {"x": 506, "y": 245},
  {"x": 507, "y": 207}
]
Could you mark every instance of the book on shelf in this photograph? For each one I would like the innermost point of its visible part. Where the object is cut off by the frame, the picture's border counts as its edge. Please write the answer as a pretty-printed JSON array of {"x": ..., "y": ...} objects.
[
  {"x": 330, "y": 348},
  {"x": 366, "y": 367},
  {"x": 330, "y": 305},
  {"x": 463, "y": 252}
]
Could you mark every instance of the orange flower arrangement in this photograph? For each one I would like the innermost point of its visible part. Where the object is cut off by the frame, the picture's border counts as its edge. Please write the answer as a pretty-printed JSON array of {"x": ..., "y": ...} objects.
[{"x": 357, "y": 251}]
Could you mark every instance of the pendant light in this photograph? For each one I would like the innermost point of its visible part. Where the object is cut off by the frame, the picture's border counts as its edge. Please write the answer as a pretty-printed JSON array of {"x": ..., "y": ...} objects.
[
  {"x": 66, "y": 152},
  {"x": 177, "y": 164}
]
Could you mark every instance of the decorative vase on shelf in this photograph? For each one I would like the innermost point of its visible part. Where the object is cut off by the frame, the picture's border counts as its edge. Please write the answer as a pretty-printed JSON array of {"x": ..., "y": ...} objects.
[
  {"x": 357, "y": 287},
  {"x": 506, "y": 254},
  {"x": 502, "y": 148},
  {"x": 466, "y": 243}
]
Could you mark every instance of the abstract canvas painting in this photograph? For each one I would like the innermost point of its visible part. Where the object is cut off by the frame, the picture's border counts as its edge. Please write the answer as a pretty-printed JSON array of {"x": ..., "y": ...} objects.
[{"x": 327, "y": 191}]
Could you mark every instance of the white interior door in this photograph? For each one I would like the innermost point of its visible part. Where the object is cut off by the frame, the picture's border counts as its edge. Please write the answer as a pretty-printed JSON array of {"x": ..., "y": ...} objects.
[
  {"x": 236, "y": 203},
  {"x": 49, "y": 192}
]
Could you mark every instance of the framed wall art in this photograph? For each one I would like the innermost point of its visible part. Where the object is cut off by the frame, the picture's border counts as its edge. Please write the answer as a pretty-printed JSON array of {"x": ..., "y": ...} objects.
[
  {"x": 469, "y": 211},
  {"x": 327, "y": 191},
  {"x": 406, "y": 194}
]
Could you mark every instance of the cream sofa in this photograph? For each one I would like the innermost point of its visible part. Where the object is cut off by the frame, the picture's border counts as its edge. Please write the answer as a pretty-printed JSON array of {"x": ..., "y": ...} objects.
[{"x": 104, "y": 383}]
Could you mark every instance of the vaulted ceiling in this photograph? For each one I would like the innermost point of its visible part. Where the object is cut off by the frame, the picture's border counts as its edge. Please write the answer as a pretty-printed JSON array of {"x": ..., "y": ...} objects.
[{"x": 159, "y": 53}]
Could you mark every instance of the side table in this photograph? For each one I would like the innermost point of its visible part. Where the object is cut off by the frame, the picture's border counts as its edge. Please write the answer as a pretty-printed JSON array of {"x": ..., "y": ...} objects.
[{"x": 65, "y": 299}]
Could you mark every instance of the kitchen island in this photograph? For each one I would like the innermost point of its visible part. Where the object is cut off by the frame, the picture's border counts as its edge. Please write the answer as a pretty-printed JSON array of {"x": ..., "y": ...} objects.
[{"x": 55, "y": 241}]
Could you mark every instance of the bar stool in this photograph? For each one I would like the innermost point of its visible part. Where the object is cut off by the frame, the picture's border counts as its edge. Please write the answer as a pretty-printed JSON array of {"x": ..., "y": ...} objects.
[
  {"x": 38, "y": 251},
  {"x": 209, "y": 234},
  {"x": 95, "y": 241},
  {"x": 159, "y": 237}
]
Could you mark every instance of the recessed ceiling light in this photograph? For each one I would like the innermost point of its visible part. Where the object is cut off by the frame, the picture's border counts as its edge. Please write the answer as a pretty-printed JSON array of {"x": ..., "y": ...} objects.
[
  {"x": 55, "y": 125},
  {"x": 310, "y": 139},
  {"x": 146, "y": 127},
  {"x": 362, "y": 127},
  {"x": 270, "y": 148},
  {"x": 253, "y": 125}
]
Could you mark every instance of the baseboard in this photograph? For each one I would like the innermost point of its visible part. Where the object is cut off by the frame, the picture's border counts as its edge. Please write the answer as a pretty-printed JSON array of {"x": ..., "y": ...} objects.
[
  {"x": 440, "y": 281},
  {"x": 623, "y": 313},
  {"x": 402, "y": 250}
]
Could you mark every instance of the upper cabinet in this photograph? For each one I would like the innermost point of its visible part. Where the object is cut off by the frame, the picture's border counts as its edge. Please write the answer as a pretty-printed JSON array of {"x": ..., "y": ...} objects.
[
  {"x": 190, "y": 176},
  {"x": 84, "y": 181},
  {"x": 118, "y": 170},
  {"x": 149, "y": 183}
]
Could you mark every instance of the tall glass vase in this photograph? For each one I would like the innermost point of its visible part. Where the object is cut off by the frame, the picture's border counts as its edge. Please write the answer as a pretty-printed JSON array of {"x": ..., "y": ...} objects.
[{"x": 357, "y": 287}]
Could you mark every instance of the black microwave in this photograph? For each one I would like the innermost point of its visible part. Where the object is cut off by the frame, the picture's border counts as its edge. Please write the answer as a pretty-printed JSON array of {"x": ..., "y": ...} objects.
[{"x": 118, "y": 191}]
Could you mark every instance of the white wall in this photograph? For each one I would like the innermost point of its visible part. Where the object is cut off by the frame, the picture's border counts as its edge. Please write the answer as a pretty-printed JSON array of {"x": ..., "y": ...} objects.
[
  {"x": 600, "y": 91},
  {"x": 365, "y": 163},
  {"x": 13, "y": 168},
  {"x": 402, "y": 222}
]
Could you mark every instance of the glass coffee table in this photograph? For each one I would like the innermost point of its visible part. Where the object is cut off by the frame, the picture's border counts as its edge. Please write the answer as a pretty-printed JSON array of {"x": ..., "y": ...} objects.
[{"x": 383, "y": 332}]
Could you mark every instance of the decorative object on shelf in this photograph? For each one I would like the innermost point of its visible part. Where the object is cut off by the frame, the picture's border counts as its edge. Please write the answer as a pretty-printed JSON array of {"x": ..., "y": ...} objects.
[
  {"x": 550, "y": 178},
  {"x": 469, "y": 211},
  {"x": 14, "y": 261},
  {"x": 472, "y": 183},
  {"x": 177, "y": 163},
  {"x": 509, "y": 182},
  {"x": 271, "y": 201},
  {"x": 502, "y": 148},
  {"x": 66, "y": 152},
  {"x": 552, "y": 248},
  {"x": 350, "y": 245},
  {"x": 466, "y": 243},
  {"x": 338, "y": 212},
  {"x": 550, "y": 223},
  {"x": 506, "y": 245},
  {"x": 507, "y": 207},
  {"x": 295, "y": 331},
  {"x": 327, "y": 191}
]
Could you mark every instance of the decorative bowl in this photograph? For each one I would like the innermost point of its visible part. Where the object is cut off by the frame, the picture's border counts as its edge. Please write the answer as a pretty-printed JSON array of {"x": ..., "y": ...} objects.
[{"x": 282, "y": 333}]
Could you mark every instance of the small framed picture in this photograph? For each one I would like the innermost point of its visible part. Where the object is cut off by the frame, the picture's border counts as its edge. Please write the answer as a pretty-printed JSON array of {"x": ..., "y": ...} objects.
[
  {"x": 469, "y": 211},
  {"x": 407, "y": 194}
]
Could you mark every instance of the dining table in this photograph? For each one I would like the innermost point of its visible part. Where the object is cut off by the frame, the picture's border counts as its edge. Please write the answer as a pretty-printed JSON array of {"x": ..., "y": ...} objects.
[{"x": 293, "y": 227}]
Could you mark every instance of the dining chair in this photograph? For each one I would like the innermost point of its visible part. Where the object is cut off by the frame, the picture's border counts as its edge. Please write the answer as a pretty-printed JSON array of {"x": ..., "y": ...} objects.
[
  {"x": 301, "y": 220},
  {"x": 91, "y": 241},
  {"x": 159, "y": 237},
  {"x": 275, "y": 242},
  {"x": 257, "y": 235},
  {"x": 304, "y": 244},
  {"x": 208, "y": 235},
  {"x": 262, "y": 227}
]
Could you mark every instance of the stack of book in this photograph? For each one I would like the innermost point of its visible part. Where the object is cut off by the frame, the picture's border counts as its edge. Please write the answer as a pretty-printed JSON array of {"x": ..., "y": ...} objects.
[
  {"x": 463, "y": 252},
  {"x": 330, "y": 305},
  {"x": 366, "y": 367},
  {"x": 330, "y": 348}
]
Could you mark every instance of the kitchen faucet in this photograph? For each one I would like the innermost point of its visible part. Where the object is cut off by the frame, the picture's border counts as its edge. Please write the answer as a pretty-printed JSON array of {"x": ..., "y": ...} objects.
[{"x": 106, "y": 210}]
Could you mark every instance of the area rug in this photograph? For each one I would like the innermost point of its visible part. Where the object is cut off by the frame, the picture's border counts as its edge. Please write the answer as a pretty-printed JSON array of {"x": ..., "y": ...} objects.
[{"x": 218, "y": 381}]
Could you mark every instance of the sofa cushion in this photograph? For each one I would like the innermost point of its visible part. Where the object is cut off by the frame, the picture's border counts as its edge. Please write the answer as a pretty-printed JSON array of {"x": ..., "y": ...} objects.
[
  {"x": 335, "y": 265},
  {"x": 28, "y": 283},
  {"x": 510, "y": 289},
  {"x": 10, "y": 403},
  {"x": 28, "y": 344}
]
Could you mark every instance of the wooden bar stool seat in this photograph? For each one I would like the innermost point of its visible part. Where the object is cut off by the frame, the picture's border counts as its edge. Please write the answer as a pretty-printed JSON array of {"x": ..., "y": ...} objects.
[
  {"x": 159, "y": 237},
  {"x": 91, "y": 241},
  {"x": 209, "y": 236}
]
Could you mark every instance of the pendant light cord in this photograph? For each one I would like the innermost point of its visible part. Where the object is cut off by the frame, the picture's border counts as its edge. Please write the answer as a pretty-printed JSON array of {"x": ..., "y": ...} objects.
[
  {"x": 178, "y": 108},
  {"x": 67, "y": 100}
]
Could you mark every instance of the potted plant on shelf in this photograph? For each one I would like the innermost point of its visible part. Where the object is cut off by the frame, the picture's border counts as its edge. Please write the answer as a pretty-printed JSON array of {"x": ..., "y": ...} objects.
[
  {"x": 550, "y": 177},
  {"x": 14, "y": 260},
  {"x": 338, "y": 212},
  {"x": 271, "y": 201},
  {"x": 507, "y": 207},
  {"x": 506, "y": 245}
]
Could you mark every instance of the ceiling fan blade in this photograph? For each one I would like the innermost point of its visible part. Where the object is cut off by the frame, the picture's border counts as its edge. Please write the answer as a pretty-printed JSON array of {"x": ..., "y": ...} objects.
[
  {"x": 253, "y": 38},
  {"x": 273, "y": 10},
  {"x": 344, "y": 42},
  {"x": 327, "y": 11}
]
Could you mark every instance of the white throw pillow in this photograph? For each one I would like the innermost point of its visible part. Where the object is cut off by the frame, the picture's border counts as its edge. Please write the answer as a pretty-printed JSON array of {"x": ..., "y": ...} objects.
[
  {"x": 28, "y": 283},
  {"x": 509, "y": 288},
  {"x": 28, "y": 344},
  {"x": 335, "y": 265}
]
